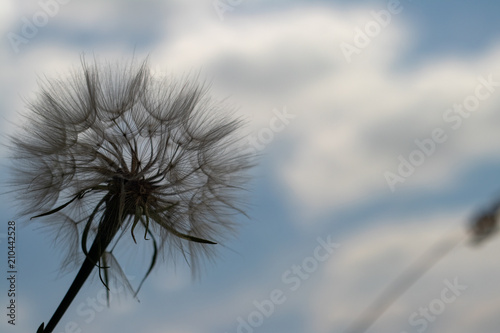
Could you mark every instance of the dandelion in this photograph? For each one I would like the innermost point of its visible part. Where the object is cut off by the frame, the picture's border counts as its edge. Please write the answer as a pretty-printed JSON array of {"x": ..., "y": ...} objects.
[{"x": 115, "y": 151}]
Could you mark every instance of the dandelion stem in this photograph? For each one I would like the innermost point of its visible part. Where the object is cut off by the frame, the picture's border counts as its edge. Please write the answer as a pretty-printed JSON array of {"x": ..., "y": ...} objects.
[{"x": 109, "y": 226}]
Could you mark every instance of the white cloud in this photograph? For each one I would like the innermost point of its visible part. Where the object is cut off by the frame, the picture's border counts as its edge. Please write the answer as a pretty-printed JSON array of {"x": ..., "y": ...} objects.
[
  {"x": 353, "y": 120},
  {"x": 368, "y": 115},
  {"x": 369, "y": 261}
]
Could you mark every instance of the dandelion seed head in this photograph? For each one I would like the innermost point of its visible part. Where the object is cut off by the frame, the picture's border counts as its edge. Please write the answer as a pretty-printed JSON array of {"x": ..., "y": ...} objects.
[{"x": 169, "y": 153}]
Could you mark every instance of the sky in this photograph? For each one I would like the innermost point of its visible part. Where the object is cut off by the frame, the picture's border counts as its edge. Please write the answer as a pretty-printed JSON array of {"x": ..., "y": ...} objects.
[{"x": 375, "y": 124}]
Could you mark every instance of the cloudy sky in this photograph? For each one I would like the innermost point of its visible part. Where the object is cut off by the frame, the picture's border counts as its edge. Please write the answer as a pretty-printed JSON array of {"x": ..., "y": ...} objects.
[{"x": 377, "y": 126}]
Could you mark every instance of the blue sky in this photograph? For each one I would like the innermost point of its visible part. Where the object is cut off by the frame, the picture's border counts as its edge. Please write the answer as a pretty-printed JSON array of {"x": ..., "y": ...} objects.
[{"x": 322, "y": 176}]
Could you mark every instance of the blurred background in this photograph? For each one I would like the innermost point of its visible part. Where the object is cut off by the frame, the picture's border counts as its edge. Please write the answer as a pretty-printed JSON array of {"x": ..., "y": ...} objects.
[{"x": 377, "y": 125}]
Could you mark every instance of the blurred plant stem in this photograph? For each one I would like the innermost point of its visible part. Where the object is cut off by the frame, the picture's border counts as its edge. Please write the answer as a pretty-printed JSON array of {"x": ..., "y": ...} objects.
[
  {"x": 403, "y": 282},
  {"x": 482, "y": 227}
]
